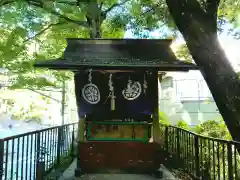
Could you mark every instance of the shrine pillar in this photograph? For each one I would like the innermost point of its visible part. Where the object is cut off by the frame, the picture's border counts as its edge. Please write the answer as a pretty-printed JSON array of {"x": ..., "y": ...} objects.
[
  {"x": 156, "y": 124},
  {"x": 81, "y": 129}
]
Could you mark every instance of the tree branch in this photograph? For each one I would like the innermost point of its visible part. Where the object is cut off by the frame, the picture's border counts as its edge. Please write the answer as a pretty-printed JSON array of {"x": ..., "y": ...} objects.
[
  {"x": 42, "y": 94},
  {"x": 101, "y": 5},
  {"x": 4, "y": 3},
  {"x": 41, "y": 32},
  {"x": 68, "y": 3},
  {"x": 115, "y": 5},
  {"x": 41, "y": 5}
]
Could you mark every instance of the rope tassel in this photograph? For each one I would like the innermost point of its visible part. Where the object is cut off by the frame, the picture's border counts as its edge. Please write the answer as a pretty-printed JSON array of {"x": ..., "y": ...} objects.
[{"x": 111, "y": 89}]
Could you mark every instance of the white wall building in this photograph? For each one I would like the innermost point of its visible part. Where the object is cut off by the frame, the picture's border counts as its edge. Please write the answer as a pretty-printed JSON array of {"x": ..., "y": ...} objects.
[{"x": 186, "y": 96}]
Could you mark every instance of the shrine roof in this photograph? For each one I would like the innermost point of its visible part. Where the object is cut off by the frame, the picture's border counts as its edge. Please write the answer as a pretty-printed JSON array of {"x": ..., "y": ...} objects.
[{"x": 118, "y": 54}]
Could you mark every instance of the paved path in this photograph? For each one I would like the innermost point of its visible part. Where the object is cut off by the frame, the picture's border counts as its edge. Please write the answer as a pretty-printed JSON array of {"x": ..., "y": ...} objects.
[{"x": 69, "y": 175}]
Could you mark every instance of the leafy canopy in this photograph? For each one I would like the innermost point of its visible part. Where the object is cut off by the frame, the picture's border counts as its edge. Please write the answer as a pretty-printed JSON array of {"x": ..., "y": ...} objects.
[{"x": 26, "y": 24}]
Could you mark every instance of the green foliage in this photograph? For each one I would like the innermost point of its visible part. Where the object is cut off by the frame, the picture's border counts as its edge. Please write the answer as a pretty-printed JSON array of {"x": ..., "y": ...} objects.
[
  {"x": 216, "y": 129},
  {"x": 183, "y": 53},
  {"x": 210, "y": 151},
  {"x": 38, "y": 31},
  {"x": 150, "y": 15},
  {"x": 229, "y": 9},
  {"x": 183, "y": 124},
  {"x": 163, "y": 118},
  {"x": 48, "y": 23}
]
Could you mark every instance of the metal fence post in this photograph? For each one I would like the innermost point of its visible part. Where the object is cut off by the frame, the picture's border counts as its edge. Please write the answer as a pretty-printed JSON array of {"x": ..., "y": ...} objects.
[
  {"x": 196, "y": 146},
  {"x": 59, "y": 142},
  {"x": 1, "y": 157},
  {"x": 178, "y": 144},
  {"x": 40, "y": 165},
  {"x": 166, "y": 138},
  {"x": 230, "y": 161},
  {"x": 73, "y": 141}
]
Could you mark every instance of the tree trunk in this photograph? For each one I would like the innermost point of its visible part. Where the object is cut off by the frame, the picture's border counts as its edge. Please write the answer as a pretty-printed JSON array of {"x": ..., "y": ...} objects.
[
  {"x": 199, "y": 30},
  {"x": 220, "y": 78}
]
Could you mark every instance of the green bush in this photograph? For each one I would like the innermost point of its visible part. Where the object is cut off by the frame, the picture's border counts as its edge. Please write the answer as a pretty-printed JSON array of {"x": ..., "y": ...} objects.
[
  {"x": 215, "y": 129},
  {"x": 163, "y": 118},
  {"x": 183, "y": 124}
]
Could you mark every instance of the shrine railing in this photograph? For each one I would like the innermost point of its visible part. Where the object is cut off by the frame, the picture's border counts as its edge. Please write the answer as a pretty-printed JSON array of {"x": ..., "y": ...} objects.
[
  {"x": 199, "y": 156},
  {"x": 34, "y": 155}
]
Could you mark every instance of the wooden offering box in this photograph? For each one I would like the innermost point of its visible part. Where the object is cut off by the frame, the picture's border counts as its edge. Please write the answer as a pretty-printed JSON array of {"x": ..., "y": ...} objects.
[
  {"x": 114, "y": 127},
  {"x": 120, "y": 143}
]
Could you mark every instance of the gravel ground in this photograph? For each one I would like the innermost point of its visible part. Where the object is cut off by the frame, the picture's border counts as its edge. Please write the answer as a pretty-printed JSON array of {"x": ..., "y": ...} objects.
[{"x": 69, "y": 175}]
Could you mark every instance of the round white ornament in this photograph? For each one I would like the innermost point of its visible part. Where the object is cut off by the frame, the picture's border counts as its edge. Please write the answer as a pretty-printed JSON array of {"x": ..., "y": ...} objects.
[
  {"x": 132, "y": 91},
  {"x": 91, "y": 93}
]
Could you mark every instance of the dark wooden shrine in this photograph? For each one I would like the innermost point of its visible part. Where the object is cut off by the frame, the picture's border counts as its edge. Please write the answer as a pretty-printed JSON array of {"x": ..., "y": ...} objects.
[{"x": 116, "y": 86}]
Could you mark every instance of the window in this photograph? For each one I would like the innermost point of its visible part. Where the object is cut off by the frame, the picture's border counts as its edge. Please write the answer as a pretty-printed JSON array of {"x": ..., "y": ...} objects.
[
  {"x": 186, "y": 89},
  {"x": 205, "y": 93}
]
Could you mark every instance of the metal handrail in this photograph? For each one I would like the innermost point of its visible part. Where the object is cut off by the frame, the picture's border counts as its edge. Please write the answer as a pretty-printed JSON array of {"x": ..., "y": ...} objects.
[
  {"x": 33, "y": 154},
  {"x": 200, "y": 156}
]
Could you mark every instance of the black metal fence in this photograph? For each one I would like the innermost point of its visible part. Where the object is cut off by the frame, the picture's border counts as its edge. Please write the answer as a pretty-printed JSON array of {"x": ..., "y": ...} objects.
[
  {"x": 201, "y": 157},
  {"x": 33, "y": 155}
]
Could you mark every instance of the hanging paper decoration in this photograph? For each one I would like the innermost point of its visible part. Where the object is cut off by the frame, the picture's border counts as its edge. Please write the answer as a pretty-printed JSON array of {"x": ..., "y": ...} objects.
[
  {"x": 90, "y": 91},
  {"x": 111, "y": 94},
  {"x": 132, "y": 91},
  {"x": 144, "y": 85}
]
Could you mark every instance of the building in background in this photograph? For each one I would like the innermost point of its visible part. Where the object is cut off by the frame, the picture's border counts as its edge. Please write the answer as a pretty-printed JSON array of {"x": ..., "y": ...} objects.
[{"x": 186, "y": 96}]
